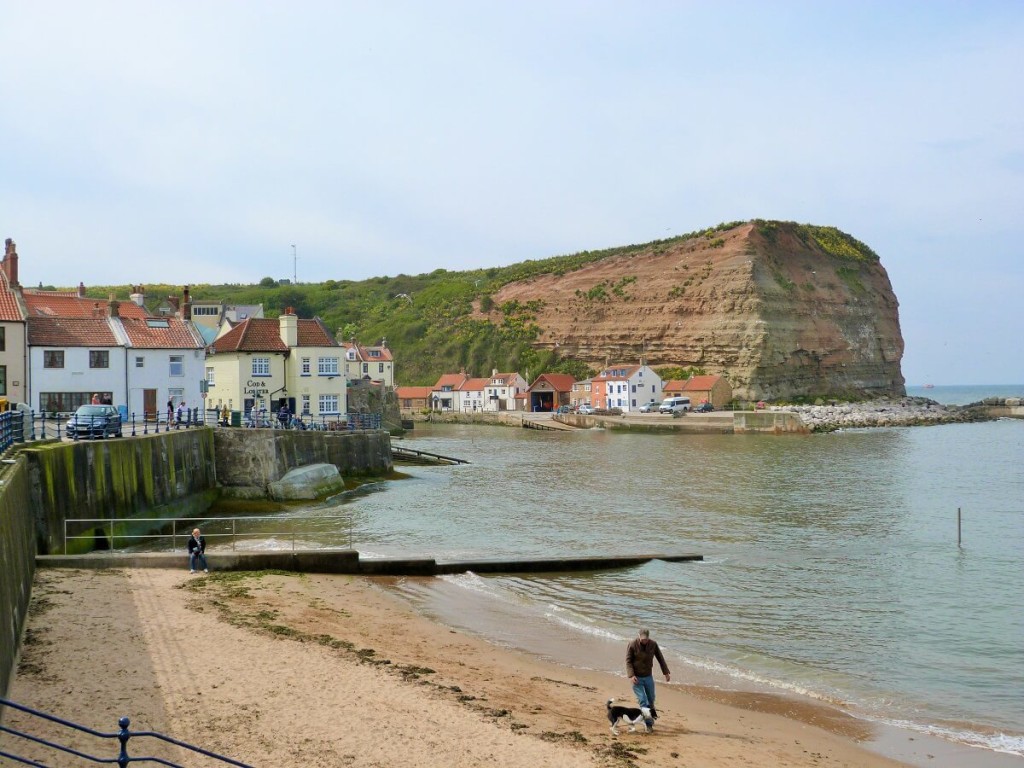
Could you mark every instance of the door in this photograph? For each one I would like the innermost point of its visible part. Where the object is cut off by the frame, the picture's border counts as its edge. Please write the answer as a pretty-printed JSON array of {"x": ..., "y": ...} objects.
[{"x": 149, "y": 407}]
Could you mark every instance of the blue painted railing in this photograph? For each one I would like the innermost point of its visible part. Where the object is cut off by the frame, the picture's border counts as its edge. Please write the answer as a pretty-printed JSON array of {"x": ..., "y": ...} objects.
[{"x": 122, "y": 736}]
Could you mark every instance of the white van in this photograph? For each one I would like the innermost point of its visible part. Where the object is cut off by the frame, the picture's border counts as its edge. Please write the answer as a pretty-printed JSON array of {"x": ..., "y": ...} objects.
[{"x": 680, "y": 403}]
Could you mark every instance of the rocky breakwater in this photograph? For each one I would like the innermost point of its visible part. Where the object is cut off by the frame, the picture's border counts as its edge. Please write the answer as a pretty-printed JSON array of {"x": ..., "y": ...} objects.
[{"x": 885, "y": 412}]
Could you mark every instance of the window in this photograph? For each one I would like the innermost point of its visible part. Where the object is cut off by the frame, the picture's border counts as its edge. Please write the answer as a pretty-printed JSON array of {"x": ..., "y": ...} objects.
[
  {"x": 156, "y": 322},
  {"x": 3, "y": 339},
  {"x": 177, "y": 365},
  {"x": 209, "y": 376},
  {"x": 3, "y": 379},
  {"x": 305, "y": 366},
  {"x": 374, "y": 353},
  {"x": 327, "y": 366},
  {"x": 261, "y": 366},
  {"x": 305, "y": 404},
  {"x": 380, "y": 368},
  {"x": 140, "y": 362},
  {"x": 328, "y": 404},
  {"x": 366, "y": 367},
  {"x": 99, "y": 358},
  {"x": 205, "y": 310},
  {"x": 53, "y": 358}
]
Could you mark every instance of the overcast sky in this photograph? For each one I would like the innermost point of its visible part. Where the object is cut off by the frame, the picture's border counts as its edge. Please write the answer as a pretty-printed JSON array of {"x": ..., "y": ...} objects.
[{"x": 197, "y": 142}]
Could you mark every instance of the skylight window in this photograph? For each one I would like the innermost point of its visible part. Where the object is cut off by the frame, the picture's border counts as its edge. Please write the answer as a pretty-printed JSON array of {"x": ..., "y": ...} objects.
[{"x": 158, "y": 322}]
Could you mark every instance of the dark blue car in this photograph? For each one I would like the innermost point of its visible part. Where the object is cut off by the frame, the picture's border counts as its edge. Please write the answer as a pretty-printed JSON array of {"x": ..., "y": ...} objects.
[{"x": 94, "y": 421}]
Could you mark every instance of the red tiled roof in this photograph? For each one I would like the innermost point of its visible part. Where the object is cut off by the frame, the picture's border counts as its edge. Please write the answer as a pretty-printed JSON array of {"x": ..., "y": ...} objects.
[
  {"x": 700, "y": 383},
  {"x": 675, "y": 385},
  {"x": 260, "y": 334},
  {"x": 168, "y": 333},
  {"x": 313, "y": 333},
  {"x": 413, "y": 393},
  {"x": 560, "y": 382},
  {"x": 365, "y": 354},
  {"x": 60, "y": 304},
  {"x": 9, "y": 308},
  {"x": 474, "y": 385},
  {"x": 453, "y": 380},
  {"x": 70, "y": 332}
]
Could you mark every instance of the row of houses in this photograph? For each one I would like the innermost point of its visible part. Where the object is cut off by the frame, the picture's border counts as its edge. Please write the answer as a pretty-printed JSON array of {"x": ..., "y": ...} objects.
[
  {"x": 626, "y": 387},
  {"x": 59, "y": 348}
]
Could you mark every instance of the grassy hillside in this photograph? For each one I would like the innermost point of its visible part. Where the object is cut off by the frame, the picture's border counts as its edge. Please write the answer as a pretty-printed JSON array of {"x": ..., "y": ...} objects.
[{"x": 426, "y": 318}]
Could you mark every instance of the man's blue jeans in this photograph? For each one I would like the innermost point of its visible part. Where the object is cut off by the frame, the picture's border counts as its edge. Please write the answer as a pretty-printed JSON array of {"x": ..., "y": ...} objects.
[
  {"x": 643, "y": 689},
  {"x": 197, "y": 557}
]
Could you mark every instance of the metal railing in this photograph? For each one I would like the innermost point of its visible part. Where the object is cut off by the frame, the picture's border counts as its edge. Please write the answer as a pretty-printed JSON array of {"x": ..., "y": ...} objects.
[
  {"x": 106, "y": 528},
  {"x": 20, "y": 426},
  {"x": 123, "y": 736}
]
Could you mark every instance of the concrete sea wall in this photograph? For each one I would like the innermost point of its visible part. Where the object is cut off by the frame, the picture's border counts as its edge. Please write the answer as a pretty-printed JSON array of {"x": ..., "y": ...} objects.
[
  {"x": 248, "y": 460},
  {"x": 17, "y": 563}
]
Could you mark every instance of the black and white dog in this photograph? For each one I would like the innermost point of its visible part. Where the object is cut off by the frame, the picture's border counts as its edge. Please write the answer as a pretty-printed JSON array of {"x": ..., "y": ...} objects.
[{"x": 632, "y": 715}]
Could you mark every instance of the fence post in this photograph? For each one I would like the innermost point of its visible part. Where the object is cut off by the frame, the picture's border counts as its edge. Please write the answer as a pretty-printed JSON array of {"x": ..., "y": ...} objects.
[{"x": 123, "y": 735}]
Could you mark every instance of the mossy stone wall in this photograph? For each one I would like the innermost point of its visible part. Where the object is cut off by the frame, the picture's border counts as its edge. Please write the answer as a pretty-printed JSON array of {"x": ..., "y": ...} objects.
[
  {"x": 168, "y": 475},
  {"x": 17, "y": 563}
]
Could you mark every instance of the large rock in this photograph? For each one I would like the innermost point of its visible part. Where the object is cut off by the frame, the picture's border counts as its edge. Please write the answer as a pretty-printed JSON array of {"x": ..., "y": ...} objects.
[
  {"x": 782, "y": 310},
  {"x": 310, "y": 482}
]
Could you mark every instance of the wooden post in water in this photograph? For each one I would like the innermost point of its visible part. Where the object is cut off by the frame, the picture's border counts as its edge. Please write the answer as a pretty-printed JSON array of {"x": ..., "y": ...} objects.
[{"x": 958, "y": 527}]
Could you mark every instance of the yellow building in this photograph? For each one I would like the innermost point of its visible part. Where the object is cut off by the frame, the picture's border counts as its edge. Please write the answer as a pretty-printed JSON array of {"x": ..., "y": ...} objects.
[{"x": 267, "y": 363}]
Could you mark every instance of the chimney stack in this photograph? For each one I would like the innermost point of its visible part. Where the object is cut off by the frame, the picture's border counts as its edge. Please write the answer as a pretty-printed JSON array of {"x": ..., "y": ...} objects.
[
  {"x": 114, "y": 306},
  {"x": 186, "y": 304},
  {"x": 288, "y": 325},
  {"x": 138, "y": 295},
  {"x": 10, "y": 263},
  {"x": 81, "y": 290}
]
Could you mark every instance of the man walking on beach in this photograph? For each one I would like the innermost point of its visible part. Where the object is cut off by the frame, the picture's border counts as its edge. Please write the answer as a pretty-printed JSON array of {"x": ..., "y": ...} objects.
[{"x": 640, "y": 656}]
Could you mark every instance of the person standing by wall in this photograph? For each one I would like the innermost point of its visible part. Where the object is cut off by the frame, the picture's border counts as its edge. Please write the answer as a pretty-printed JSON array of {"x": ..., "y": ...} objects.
[
  {"x": 640, "y": 656},
  {"x": 197, "y": 551},
  {"x": 170, "y": 410}
]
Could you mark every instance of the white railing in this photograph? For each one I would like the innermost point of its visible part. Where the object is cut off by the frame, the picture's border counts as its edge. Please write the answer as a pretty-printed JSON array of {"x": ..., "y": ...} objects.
[{"x": 181, "y": 528}]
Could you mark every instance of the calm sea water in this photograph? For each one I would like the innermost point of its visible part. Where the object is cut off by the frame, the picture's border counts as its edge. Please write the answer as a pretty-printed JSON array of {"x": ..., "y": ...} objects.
[
  {"x": 832, "y": 568},
  {"x": 964, "y": 394}
]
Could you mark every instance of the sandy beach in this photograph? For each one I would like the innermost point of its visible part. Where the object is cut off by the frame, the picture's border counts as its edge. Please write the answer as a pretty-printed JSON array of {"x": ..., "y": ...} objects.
[{"x": 310, "y": 670}]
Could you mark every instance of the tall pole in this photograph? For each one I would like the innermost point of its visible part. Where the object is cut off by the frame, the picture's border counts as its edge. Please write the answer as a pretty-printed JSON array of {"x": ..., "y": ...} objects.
[{"x": 295, "y": 265}]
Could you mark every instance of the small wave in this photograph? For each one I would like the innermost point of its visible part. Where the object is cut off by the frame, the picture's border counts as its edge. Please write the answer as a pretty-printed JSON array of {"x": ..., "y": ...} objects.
[
  {"x": 580, "y": 624},
  {"x": 474, "y": 583},
  {"x": 996, "y": 742}
]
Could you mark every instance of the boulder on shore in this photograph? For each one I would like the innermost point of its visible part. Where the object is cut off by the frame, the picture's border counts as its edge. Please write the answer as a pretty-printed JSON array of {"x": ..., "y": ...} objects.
[{"x": 312, "y": 481}]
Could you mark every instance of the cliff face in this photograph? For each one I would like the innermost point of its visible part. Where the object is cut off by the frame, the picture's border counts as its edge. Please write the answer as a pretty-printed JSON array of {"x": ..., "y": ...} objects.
[{"x": 781, "y": 310}]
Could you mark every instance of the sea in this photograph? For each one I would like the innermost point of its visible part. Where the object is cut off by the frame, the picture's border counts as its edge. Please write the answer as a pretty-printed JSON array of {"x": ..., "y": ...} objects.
[{"x": 879, "y": 571}]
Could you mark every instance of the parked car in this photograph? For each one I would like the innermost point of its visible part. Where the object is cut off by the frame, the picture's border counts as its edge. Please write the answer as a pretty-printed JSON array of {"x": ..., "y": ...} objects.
[
  {"x": 651, "y": 407},
  {"x": 94, "y": 421},
  {"x": 564, "y": 409},
  {"x": 585, "y": 409},
  {"x": 704, "y": 408}
]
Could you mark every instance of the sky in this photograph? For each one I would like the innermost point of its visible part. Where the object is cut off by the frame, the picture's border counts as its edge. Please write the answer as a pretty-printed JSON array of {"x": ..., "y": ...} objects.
[{"x": 207, "y": 142}]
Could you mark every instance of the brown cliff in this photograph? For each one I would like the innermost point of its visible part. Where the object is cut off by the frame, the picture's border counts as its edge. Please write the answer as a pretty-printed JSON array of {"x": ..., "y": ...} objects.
[{"x": 782, "y": 310}]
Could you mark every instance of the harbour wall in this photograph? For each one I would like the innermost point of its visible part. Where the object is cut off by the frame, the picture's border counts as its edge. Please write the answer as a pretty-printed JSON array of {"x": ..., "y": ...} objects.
[{"x": 17, "y": 562}]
